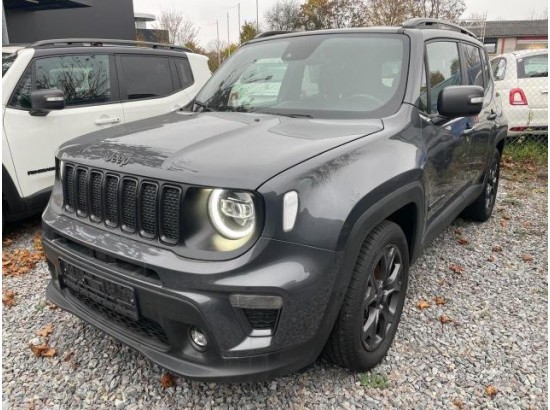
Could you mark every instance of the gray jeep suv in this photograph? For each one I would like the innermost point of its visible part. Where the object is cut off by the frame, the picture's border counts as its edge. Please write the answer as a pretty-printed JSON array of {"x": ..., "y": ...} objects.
[{"x": 276, "y": 217}]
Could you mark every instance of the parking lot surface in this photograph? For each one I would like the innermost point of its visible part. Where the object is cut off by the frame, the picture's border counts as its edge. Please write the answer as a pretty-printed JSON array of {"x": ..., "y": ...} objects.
[{"x": 473, "y": 332}]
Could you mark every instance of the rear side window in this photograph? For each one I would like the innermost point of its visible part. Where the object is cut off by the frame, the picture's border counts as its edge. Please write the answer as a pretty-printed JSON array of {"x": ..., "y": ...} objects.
[
  {"x": 474, "y": 72},
  {"x": 498, "y": 66},
  {"x": 146, "y": 76},
  {"x": 443, "y": 69},
  {"x": 85, "y": 79},
  {"x": 185, "y": 74},
  {"x": 533, "y": 66}
]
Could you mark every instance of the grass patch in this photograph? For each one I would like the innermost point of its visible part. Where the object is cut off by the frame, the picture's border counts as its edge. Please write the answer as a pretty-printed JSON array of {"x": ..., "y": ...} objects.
[
  {"x": 526, "y": 152},
  {"x": 374, "y": 381}
]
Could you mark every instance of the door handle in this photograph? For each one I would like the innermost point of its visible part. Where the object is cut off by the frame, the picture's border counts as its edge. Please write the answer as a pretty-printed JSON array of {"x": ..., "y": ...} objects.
[
  {"x": 469, "y": 130},
  {"x": 492, "y": 116},
  {"x": 109, "y": 120}
]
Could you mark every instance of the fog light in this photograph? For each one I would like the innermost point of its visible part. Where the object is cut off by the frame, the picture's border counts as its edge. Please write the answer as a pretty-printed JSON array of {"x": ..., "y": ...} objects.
[{"x": 198, "y": 338}]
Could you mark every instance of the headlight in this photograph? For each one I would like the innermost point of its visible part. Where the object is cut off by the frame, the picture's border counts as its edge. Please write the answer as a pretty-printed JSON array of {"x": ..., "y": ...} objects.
[{"x": 232, "y": 213}]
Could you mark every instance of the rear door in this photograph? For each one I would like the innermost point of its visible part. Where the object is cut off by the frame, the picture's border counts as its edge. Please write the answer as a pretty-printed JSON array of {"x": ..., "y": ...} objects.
[
  {"x": 479, "y": 127},
  {"x": 533, "y": 79},
  {"x": 92, "y": 103},
  {"x": 153, "y": 85}
]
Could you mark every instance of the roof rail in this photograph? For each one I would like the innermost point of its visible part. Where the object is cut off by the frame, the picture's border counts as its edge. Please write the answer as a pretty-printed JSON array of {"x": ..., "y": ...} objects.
[
  {"x": 271, "y": 33},
  {"x": 99, "y": 42},
  {"x": 436, "y": 23}
]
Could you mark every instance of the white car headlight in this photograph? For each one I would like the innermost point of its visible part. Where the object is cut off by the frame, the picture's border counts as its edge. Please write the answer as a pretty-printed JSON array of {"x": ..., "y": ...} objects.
[{"x": 232, "y": 213}]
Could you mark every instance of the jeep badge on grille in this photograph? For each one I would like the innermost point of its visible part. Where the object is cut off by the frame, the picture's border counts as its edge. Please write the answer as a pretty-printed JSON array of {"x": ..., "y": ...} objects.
[{"x": 117, "y": 158}]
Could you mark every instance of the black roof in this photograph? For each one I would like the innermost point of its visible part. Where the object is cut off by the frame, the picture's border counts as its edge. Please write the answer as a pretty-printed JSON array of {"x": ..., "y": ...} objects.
[{"x": 513, "y": 28}]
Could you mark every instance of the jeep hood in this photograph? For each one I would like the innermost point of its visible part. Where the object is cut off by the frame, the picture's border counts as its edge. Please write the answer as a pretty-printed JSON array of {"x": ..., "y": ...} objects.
[{"x": 233, "y": 150}]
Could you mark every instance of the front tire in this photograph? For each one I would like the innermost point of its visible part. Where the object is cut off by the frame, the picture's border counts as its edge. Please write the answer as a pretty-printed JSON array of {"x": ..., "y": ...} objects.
[
  {"x": 371, "y": 310},
  {"x": 482, "y": 208}
]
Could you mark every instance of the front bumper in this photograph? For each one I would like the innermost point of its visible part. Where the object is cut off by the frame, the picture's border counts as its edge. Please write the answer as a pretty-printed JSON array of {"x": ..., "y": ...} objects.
[{"x": 174, "y": 294}]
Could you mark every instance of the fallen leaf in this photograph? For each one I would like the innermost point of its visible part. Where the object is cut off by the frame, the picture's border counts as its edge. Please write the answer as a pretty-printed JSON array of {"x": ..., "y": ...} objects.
[
  {"x": 422, "y": 304},
  {"x": 445, "y": 319},
  {"x": 439, "y": 300},
  {"x": 441, "y": 282},
  {"x": 7, "y": 242},
  {"x": 43, "y": 350},
  {"x": 458, "y": 231},
  {"x": 491, "y": 391},
  {"x": 504, "y": 223},
  {"x": 506, "y": 217},
  {"x": 491, "y": 258},
  {"x": 458, "y": 404},
  {"x": 20, "y": 261},
  {"x": 45, "y": 331},
  {"x": 497, "y": 248},
  {"x": 167, "y": 380},
  {"x": 8, "y": 298},
  {"x": 37, "y": 241},
  {"x": 463, "y": 241},
  {"x": 527, "y": 258},
  {"x": 456, "y": 268}
]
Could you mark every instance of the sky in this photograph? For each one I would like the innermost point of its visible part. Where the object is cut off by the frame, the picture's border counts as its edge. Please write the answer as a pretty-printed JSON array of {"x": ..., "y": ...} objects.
[{"x": 204, "y": 13}]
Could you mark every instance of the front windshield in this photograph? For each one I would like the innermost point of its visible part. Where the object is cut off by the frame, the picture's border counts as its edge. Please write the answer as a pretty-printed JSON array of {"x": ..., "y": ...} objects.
[
  {"x": 7, "y": 61},
  {"x": 318, "y": 76}
]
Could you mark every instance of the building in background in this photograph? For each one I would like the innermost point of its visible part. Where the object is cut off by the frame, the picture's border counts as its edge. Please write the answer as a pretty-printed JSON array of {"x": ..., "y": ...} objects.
[
  {"x": 147, "y": 34},
  {"x": 503, "y": 36},
  {"x": 27, "y": 21}
]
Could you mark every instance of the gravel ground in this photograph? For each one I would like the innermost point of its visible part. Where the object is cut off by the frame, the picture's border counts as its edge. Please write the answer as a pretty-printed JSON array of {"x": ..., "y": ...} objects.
[{"x": 494, "y": 335}]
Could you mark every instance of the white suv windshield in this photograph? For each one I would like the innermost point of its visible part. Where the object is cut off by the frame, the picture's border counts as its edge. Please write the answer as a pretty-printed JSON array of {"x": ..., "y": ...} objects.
[{"x": 321, "y": 76}]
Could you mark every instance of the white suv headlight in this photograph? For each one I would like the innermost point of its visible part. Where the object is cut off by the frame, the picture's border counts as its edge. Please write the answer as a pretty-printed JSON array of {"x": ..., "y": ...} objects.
[{"x": 232, "y": 213}]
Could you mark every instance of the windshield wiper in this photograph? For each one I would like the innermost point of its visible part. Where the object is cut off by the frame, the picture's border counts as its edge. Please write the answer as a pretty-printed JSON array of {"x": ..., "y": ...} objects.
[
  {"x": 286, "y": 114},
  {"x": 539, "y": 75},
  {"x": 202, "y": 105}
]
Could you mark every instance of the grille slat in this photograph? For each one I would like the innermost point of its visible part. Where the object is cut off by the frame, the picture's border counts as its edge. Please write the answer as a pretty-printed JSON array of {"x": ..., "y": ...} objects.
[
  {"x": 111, "y": 200},
  {"x": 82, "y": 191},
  {"x": 170, "y": 205},
  {"x": 96, "y": 194},
  {"x": 148, "y": 200},
  {"x": 69, "y": 187},
  {"x": 128, "y": 203}
]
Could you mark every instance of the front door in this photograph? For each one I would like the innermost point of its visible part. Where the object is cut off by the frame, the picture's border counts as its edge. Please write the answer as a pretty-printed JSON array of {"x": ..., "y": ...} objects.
[{"x": 91, "y": 104}]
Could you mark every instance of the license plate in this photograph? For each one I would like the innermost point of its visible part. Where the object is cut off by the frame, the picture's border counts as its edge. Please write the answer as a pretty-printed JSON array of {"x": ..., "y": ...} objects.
[{"x": 95, "y": 290}]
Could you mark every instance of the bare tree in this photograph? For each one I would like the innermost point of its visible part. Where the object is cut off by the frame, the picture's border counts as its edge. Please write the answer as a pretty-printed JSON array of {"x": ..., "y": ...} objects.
[
  {"x": 180, "y": 29},
  {"x": 284, "y": 15},
  {"x": 440, "y": 9},
  {"x": 388, "y": 12},
  {"x": 539, "y": 14}
]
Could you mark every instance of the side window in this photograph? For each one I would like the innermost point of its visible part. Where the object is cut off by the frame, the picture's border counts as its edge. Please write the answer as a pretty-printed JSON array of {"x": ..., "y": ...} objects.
[
  {"x": 85, "y": 79},
  {"x": 498, "y": 66},
  {"x": 185, "y": 74},
  {"x": 21, "y": 97},
  {"x": 146, "y": 76},
  {"x": 474, "y": 72},
  {"x": 486, "y": 70},
  {"x": 443, "y": 69}
]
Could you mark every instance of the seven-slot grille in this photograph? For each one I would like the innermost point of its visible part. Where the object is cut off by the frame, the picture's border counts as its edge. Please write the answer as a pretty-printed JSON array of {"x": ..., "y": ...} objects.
[{"x": 135, "y": 206}]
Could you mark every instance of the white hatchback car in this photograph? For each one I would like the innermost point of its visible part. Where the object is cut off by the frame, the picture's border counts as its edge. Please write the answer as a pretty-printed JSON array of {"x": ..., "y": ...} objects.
[
  {"x": 56, "y": 90},
  {"x": 521, "y": 79}
]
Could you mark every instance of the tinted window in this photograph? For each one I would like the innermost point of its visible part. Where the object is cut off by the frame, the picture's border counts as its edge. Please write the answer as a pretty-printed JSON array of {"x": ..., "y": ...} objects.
[
  {"x": 444, "y": 69},
  {"x": 498, "y": 66},
  {"x": 147, "y": 76},
  {"x": 323, "y": 76},
  {"x": 21, "y": 97},
  {"x": 85, "y": 79},
  {"x": 474, "y": 73},
  {"x": 533, "y": 66},
  {"x": 423, "y": 103},
  {"x": 185, "y": 73},
  {"x": 486, "y": 70}
]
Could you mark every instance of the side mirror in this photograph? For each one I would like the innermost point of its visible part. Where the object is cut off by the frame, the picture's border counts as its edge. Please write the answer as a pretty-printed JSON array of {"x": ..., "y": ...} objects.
[
  {"x": 460, "y": 101},
  {"x": 44, "y": 101}
]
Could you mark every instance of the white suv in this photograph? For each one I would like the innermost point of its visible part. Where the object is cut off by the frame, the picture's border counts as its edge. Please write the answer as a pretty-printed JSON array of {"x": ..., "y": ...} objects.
[
  {"x": 56, "y": 90},
  {"x": 521, "y": 78}
]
